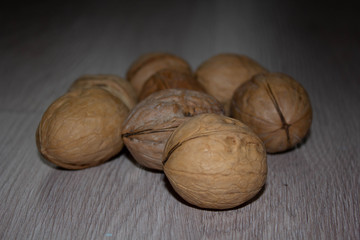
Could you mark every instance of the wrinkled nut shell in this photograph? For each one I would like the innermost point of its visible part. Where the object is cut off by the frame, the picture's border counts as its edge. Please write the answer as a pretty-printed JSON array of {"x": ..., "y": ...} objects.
[
  {"x": 167, "y": 79},
  {"x": 148, "y": 64},
  {"x": 221, "y": 74},
  {"x": 215, "y": 162},
  {"x": 276, "y": 107},
  {"x": 151, "y": 122},
  {"x": 118, "y": 86},
  {"x": 82, "y": 128}
]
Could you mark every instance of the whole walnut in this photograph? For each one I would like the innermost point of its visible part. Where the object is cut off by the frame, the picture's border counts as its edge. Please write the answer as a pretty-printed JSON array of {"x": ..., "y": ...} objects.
[
  {"x": 169, "y": 78},
  {"x": 82, "y": 128},
  {"x": 150, "y": 123},
  {"x": 118, "y": 86},
  {"x": 221, "y": 74},
  {"x": 216, "y": 162},
  {"x": 276, "y": 107},
  {"x": 150, "y": 63}
]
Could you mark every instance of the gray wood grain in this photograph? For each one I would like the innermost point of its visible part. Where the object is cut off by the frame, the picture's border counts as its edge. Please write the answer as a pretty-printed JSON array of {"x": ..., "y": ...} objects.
[{"x": 311, "y": 192}]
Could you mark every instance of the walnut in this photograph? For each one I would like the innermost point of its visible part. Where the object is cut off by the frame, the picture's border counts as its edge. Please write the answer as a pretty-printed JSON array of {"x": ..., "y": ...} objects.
[
  {"x": 82, "y": 128},
  {"x": 215, "y": 162},
  {"x": 169, "y": 78},
  {"x": 276, "y": 107},
  {"x": 150, "y": 123},
  {"x": 118, "y": 86},
  {"x": 221, "y": 74},
  {"x": 148, "y": 64}
]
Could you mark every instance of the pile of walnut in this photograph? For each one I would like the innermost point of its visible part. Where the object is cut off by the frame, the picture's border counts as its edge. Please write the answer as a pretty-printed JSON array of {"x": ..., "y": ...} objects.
[{"x": 208, "y": 131}]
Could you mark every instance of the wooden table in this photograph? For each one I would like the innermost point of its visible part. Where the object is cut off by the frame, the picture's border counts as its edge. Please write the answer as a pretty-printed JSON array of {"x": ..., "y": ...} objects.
[{"x": 312, "y": 192}]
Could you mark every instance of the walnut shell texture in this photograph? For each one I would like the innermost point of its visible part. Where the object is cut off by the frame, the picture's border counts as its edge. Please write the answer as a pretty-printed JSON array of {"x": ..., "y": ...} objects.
[
  {"x": 215, "y": 162},
  {"x": 169, "y": 78},
  {"x": 150, "y": 63},
  {"x": 151, "y": 122},
  {"x": 82, "y": 128},
  {"x": 221, "y": 74},
  {"x": 118, "y": 86},
  {"x": 276, "y": 107}
]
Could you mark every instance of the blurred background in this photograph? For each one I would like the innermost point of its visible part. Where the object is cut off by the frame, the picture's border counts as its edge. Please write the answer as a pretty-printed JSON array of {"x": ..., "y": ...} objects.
[{"x": 65, "y": 39}]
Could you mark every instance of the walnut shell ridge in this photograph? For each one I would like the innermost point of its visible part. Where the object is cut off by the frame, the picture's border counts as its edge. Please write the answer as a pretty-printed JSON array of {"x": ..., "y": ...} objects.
[
  {"x": 276, "y": 107},
  {"x": 151, "y": 122},
  {"x": 215, "y": 162},
  {"x": 82, "y": 128}
]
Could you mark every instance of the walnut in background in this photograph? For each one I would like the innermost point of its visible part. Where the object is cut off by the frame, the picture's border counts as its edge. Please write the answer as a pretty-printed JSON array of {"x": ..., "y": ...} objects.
[
  {"x": 221, "y": 74},
  {"x": 116, "y": 85},
  {"x": 148, "y": 64},
  {"x": 169, "y": 78}
]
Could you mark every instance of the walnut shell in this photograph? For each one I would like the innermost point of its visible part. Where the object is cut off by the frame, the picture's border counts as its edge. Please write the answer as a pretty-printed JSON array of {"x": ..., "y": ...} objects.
[
  {"x": 148, "y": 64},
  {"x": 169, "y": 78},
  {"x": 276, "y": 107},
  {"x": 221, "y": 74},
  {"x": 118, "y": 86},
  {"x": 82, "y": 128},
  {"x": 150, "y": 123},
  {"x": 215, "y": 162}
]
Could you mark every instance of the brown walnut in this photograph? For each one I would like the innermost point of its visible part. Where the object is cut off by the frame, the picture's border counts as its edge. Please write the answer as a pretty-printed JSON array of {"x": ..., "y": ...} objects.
[
  {"x": 169, "y": 78},
  {"x": 215, "y": 162},
  {"x": 82, "y": 128},
  {"x": 150, "y": 123},
  {"x": 148, "y": 64},
  {"x": 118, "y": 86},
  {"x": 276, "y": 107},
  {"x": 221, "y": 74}
]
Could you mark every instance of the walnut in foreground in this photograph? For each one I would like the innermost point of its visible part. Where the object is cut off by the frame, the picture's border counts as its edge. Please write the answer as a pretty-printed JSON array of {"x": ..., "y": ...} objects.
[
  {"x": 215, "y": 162},
  {"x": 82, "y": 128},
  {"x": 276, "y": 107}
]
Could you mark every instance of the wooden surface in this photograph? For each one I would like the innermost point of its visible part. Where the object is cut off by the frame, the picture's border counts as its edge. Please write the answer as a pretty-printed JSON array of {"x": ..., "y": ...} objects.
[{"x": 311, "y": 192}]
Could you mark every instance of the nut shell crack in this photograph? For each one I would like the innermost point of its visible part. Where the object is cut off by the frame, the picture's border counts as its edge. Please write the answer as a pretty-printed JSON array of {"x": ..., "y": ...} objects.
[{"x": 285, "y": 125}]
